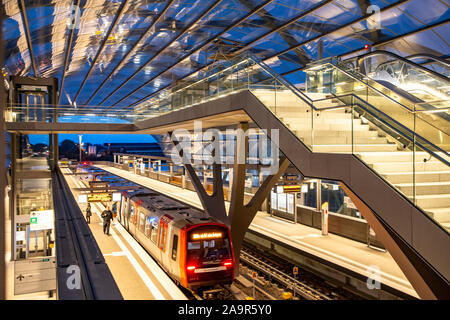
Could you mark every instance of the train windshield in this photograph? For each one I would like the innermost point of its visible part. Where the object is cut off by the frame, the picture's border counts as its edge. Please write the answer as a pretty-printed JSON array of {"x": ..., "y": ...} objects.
[{"x": 208, "y": 246}]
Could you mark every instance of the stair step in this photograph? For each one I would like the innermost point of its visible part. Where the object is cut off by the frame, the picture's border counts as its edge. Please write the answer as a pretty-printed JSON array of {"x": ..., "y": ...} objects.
[
  {"x": 404, "y": 156},
  {"x": 408, "y": 166},
  {"x": 319, "y": 140},
  {"x": 441, "y": 215},
  {"x": 433, "y": 201},
  {"x": 425, "y": 188},
  {"x": 346, "y": 148},
  {"x": 407, "y": 177}
]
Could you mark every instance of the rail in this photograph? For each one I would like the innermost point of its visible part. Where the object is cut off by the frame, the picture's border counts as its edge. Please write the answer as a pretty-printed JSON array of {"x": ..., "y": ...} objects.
[{"x": 297, "y": 286}]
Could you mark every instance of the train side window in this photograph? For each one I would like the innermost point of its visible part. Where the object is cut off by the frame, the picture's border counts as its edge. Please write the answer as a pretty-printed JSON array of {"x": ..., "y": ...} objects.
[
  {"x": 141, "y": 221},
  {"x": 147, "y": 227},
  {"x": 132, "y": 214},
  {"x": 174, "y": 247},
  {"x": 155, "y": 227}
]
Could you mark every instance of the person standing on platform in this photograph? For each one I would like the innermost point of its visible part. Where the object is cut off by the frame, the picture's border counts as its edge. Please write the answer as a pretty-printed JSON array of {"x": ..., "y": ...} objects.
[
  {"x": 107, "y": 216},
  {"x": 88, "y": 213}
]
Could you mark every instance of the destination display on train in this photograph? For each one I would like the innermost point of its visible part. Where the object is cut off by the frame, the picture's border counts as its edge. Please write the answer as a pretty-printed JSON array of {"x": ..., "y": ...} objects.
[
  {"x": 99, "y": 197},
  {"x": 206, "y": 235}
]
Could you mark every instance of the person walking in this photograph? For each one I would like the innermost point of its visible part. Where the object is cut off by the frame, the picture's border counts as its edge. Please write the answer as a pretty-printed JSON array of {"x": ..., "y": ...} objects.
[
  {"x": 88, "y": 213},
  {"x": 107, "y": 216}
]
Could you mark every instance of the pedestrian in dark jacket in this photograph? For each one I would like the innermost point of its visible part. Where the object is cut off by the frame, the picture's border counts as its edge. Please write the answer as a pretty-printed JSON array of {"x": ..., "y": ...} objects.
[
  {"x": 88, "y": 213},
  {"x": 107, "y": 216}
]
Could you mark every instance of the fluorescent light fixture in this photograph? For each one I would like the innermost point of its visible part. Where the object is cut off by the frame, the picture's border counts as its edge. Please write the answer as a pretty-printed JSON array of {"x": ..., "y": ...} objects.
[
  {"x": 304, "y": 188},
  {"x": 82, "y": 198}
]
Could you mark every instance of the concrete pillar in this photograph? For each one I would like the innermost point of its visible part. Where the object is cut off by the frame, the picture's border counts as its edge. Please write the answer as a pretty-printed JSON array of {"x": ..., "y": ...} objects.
[
  {"x": 183, "y": 179},
  {"x": 55, "y": 150},
  {"x": 159, "y": 166},
  {"x": 171, "y": 169},
  {"x": 205, "y": 179},
  {"x": 3, "y": 182}
]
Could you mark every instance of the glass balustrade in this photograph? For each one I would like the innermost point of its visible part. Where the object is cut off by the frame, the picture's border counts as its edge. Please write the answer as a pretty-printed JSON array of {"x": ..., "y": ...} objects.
[{"x": 406, "y": 144}]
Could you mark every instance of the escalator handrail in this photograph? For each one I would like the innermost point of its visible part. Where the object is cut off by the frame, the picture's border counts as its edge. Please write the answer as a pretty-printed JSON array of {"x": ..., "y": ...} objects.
[
  {"x": 404, "y": 60},
  {"x": 430, "y": 57}
]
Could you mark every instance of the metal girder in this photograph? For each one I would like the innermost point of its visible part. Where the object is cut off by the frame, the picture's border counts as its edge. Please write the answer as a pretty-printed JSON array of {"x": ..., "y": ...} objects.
[
  {"x": 213, "y": 204},
  {"x": 67, "y": 55},
  {"x": 143, "y": 36},
  {"x": 185, "y": 30},
  {"x": 102, "y": 46},
  {"x": 284, "y": 25},
  {"x": 212, "y": 39},
  {"x": 241, "y": 215},
  {"x": 364, "y": 17},
  {"x": 290, "y": 40},
  {"x": 284, "y": 51},
  {"x": 23, "y": 13}
]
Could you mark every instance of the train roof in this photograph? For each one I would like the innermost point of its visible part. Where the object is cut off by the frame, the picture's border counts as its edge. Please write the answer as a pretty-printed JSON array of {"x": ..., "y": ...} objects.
[{"x": 167, "y": 206}]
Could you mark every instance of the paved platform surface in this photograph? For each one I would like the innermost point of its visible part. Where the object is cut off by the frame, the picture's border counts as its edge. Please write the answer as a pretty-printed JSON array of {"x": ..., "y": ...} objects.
[
  {"x": 137, "y": 275},
  {"x": 349, "y": 254}
]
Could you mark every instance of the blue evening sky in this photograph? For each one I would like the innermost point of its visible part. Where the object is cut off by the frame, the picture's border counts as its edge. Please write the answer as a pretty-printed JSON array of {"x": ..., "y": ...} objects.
[{"x": 94, "y": 138}]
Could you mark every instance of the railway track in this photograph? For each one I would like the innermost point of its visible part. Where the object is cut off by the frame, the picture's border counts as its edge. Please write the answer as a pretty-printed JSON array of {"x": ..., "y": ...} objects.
[
  {"x": 275, "y": 275},
  {"x": 274, "y": 270}
]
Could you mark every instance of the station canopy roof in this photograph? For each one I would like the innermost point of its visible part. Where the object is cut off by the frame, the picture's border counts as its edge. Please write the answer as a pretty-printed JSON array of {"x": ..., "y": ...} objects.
[{"x": 119, "y": 52}]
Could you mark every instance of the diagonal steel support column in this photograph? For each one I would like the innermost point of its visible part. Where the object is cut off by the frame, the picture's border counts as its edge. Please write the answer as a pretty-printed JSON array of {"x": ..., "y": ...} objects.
[
  {"x": 213, "y": 204},
  {"x": 239, "y": 214}
]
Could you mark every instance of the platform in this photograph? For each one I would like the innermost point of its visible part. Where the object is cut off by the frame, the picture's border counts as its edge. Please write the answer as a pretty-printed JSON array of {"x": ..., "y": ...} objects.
[
  {"x": 137, "y": 275},
  {"x": 352, "y": 255}
]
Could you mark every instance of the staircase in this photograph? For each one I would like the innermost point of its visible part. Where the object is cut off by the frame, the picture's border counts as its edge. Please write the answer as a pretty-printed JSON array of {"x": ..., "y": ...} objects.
[{"x": 338, "y": 131}]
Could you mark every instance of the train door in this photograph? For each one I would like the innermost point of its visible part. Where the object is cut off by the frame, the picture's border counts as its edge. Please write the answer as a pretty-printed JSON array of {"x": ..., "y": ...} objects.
[
  {"x": 163, "y": 239},
  {"x": 132, "y": 219},
  {"x": 126, "y": 214},
  {"x": 122, "y": 207}
]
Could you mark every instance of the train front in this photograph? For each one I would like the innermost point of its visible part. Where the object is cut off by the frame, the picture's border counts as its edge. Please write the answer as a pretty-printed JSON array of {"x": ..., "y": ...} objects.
[{"x": 209, "y": 256}]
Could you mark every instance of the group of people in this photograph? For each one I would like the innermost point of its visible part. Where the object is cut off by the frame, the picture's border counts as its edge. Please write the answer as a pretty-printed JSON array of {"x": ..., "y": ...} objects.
[{"x": 107, "y": 215}]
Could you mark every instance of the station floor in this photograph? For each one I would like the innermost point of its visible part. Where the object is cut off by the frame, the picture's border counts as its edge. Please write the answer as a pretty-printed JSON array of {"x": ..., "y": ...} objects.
[
  {"x": 349, "y": 254},
  {"x": 137, "y": 275}
]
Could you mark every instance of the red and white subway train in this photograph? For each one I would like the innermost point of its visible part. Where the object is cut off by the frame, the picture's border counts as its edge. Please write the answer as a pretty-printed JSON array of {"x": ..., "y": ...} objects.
[{"x": 193, "y": 248}]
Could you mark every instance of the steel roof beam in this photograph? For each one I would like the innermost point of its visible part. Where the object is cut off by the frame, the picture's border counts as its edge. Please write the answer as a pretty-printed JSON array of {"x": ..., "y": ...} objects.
[
  {"x": 185, "y": 30},
  {"x": 117, "y": 17},
  {"x": 143, "y": 36},
  {"x": 67, "y": 55},
  {"x": 212, "y": 39},
  {"x": 23, "y": 13},
  {"x": 288, "y": 39},
  {"x": 391, "y": 6}
]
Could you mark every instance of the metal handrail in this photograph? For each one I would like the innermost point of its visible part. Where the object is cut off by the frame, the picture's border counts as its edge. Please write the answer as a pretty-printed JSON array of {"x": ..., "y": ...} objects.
[
  {"x": 311, "y": 104},
  {"x": 388, "y": 125}
]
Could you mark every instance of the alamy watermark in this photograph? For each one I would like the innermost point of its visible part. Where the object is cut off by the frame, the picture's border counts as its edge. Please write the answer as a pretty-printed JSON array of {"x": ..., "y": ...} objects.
[
  {"x": 213, "y": 146},
  {"x": 374, "y": 279},
  {"x": 73, "y": 281}
]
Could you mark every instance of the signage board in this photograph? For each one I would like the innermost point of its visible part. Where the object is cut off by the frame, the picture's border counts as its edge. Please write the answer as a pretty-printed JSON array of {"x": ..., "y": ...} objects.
[
  {"x": 34, "y": 275},
  {"x": 349, "y": 203},
  {"x": 20, "y": 235},
  {"x": 295, "y": 270},
  {"x": 292, "y": 188},
  {"x": 41, "y": 220},
  {"x": 98, "y": 185},
  {"x": 99, "y": 197},
  {"x": 290, "y": 203}
]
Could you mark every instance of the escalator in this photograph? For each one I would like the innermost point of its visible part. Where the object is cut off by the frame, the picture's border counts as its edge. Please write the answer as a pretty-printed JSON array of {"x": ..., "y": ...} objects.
[{"x": 421, "y": 78}]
